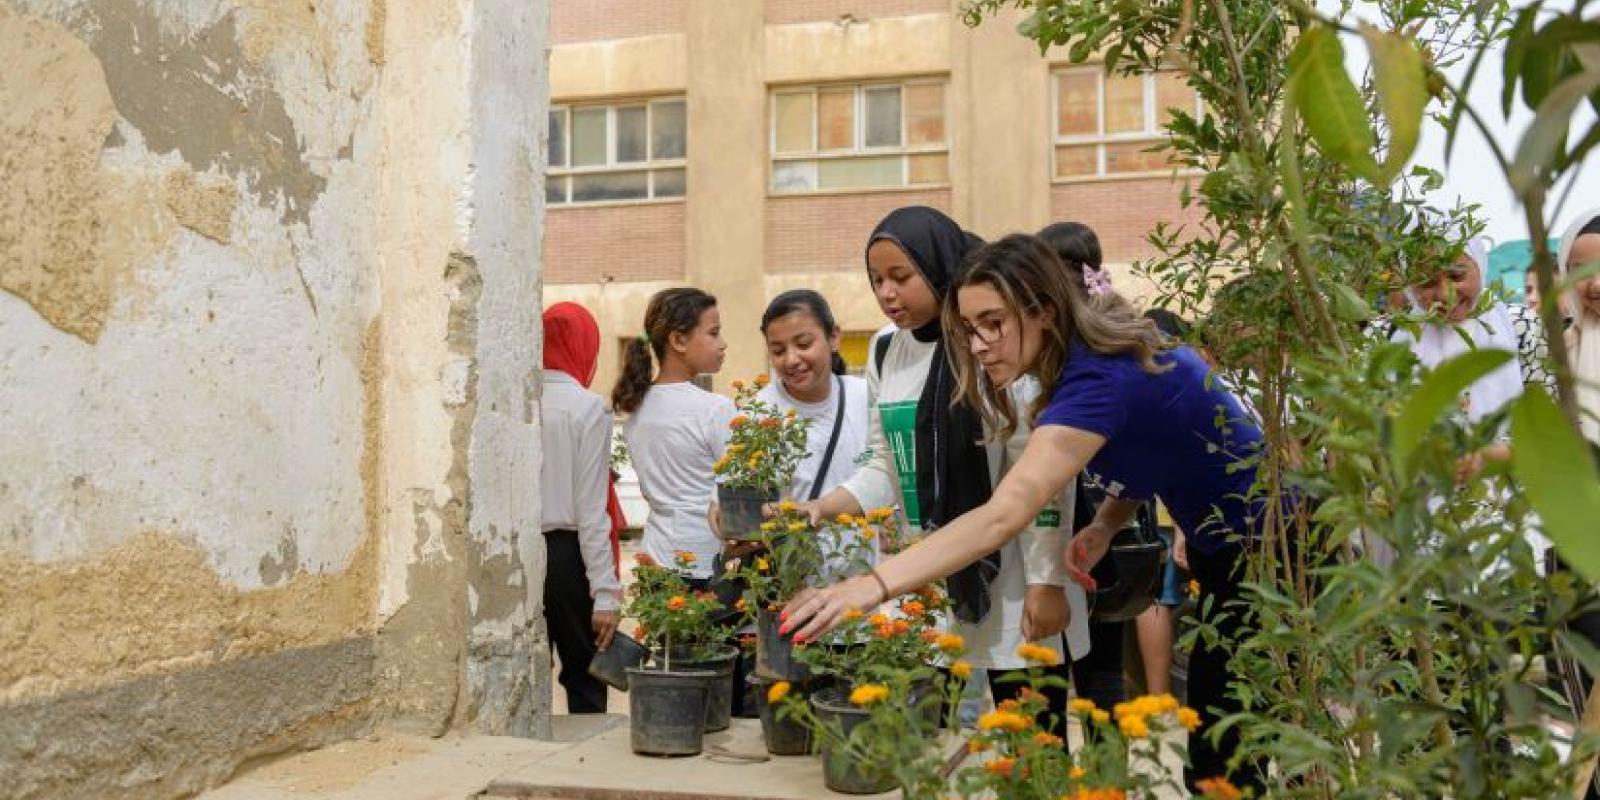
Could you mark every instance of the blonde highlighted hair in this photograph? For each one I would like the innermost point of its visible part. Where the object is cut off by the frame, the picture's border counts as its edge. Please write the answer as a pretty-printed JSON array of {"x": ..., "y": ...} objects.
[{"x": 1033, "y": 282}]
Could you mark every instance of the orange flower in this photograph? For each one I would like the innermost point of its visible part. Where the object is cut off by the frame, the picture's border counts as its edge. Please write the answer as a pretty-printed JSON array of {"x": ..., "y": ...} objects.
[
  {"x": 852, "y": 614},
  {"x": 1189, "y": 718},
  {"x": 929, "y": 635},
  {"x": 913, "y": 608},
  {"x": 1002, "y": 767},
  {"x": 885, "y": 631},
  {"x": 1218, "y": 789},
  {"x": 1003, "y": 720},
  {"x": 762, "y": 380},
  {"x": 738, "y": 422},
  {"x": 1039, "y": 654},
  {"x": 677, "y": 603},
  {"x": 740, "y": 605},
  {"x": 770, "y": 423},
  {"x": 738, "y": 386},
  {"x": 644, "y": 560},
  {"x": 777, "y": 692},
  {"x": 641, "y": 632},
  {"x": 977, "y": 745},
  {"x": 868, "y": 694},
  {"x": 878, "y": 620},
  {"x": 1194, "y": 588},
  {"x": 901, "y": 627},
  {"x": 1096, "y": 794},
  {"x": 1099, "y": 717},
  {"x": 686, "y": 558},
  {"x": 1077, "y": 772},
  {"x": 961, "y": 669},
  {"x": 1044, "y": 739},
  {"x": 950, "y": 642},
  {"x": 1133, "y": 727}
]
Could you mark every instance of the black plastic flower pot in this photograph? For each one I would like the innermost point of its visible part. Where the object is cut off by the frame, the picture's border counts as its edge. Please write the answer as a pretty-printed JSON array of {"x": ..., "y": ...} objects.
[
  {"x": 740, "y": 507},
  {"x": 611, "y": 664},
  {"x": 667, "y": 710},
  {"x": 775, "y": 651},
  {"x": 784, "y": 737},
  {"x": 719, "y": 700},
  {"x": 841, "y": 772}
]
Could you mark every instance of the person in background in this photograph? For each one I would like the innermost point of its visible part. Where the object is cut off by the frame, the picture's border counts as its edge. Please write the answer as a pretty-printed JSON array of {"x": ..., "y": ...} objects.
[
  {"x": 1155, "y": 627},
  {"x": 1580, "y": 250},
  {"x": 675, "y": 430},
  {"x": 581, "y": 592},
  {"x": 803, "y": 349},
  {"x": 924, "y": 449},
  {"x": 1120, "y": 401}
]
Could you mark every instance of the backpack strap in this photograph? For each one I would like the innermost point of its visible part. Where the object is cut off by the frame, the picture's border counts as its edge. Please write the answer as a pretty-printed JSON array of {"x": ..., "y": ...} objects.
[{"x": 880, "y": 350}]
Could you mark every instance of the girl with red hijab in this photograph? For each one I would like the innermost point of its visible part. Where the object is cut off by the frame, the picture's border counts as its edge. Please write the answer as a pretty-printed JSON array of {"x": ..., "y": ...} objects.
[{"x": 581, "y": 592}]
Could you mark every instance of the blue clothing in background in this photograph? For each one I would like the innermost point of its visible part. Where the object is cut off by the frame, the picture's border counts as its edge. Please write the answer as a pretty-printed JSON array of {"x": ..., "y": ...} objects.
[{"x": 1172, "y": 435}]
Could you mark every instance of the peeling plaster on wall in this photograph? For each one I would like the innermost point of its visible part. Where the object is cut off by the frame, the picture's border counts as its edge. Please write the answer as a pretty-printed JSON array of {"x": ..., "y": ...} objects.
[
  {"x": 205, "y": 208},
  {"x": 376, "y": 18},
  {"x": 199, "y": 95},
  {"x": 70, "y": 231},
  {"x": 153, "y": 605}
]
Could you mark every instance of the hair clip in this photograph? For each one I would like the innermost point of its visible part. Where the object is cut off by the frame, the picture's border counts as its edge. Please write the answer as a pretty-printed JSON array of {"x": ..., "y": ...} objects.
[{"x": 1097, "y": 281}]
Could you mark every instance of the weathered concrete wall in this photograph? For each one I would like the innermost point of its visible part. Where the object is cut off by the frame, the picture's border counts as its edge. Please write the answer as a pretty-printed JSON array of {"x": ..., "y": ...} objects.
[{"x": 268, "y": 379}]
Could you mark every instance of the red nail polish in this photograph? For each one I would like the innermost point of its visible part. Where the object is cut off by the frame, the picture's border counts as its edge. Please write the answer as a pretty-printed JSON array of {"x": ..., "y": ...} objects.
[
  {"x": 799, "y": 640},
  {"x": 783, "y": 616},
  {"x": 783, "y": 629}
]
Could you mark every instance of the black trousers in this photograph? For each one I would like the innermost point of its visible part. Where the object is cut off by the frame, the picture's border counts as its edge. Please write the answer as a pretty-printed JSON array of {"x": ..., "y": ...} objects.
[
  {"x": 568, "y": 610},
  {"x": 1098, "y": 675},
  {"x": 1055, "y": 716},
  {"x": 1209, "y": 674}
]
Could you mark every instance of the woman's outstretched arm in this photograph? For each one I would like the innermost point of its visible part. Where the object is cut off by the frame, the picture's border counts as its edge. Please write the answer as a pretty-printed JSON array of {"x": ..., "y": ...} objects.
[{"x": 1054, "y": 455}]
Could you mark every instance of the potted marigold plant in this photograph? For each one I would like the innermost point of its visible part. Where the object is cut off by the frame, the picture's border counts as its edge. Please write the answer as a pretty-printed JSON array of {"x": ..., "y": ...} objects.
[
  {"x": 763, "y": 451},
  {"x": 687, "y": 688},
  {"x": 794, "y": 555}
]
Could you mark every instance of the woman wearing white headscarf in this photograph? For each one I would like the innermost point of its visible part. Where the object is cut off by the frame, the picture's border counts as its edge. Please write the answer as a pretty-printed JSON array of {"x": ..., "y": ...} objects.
[{"x": 1580, "y": 247}]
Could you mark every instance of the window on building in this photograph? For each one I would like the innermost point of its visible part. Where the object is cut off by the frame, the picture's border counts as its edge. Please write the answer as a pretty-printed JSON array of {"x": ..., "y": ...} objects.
[
  {"x": 621, "y": 151},
  {"x": 1106, "y": 124},
  {"x": 861, "y": 136}
]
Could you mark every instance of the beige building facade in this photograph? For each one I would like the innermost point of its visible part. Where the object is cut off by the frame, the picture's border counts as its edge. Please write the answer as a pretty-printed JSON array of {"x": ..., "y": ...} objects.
[{"x": 750, "y": 147}]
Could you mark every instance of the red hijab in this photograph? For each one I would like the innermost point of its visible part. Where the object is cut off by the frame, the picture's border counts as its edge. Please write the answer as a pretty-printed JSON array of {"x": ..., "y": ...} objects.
[{"x": 572, "y": 345}]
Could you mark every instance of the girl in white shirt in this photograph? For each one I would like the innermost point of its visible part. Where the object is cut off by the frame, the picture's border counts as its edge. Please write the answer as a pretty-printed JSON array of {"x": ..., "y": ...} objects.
[
  {"x": 581, "y": 593},
  {"x": 924, "y": 453},
  {"x": 675, "y": 430}
]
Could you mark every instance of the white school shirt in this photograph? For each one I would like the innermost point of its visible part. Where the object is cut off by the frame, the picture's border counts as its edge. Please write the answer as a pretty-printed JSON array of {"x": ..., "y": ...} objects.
[
  {"x": 675, "y": 437},
  {"x": 853, "y": 432},
  {"x": 889, "y": 476},
  {"x": 575, "y": 429}
]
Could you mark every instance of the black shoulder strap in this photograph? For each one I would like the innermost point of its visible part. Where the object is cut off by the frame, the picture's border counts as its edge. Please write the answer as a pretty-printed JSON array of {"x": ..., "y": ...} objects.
[
  {"x": 880, "y": 350},
  {"x": 833, "y": 442}
]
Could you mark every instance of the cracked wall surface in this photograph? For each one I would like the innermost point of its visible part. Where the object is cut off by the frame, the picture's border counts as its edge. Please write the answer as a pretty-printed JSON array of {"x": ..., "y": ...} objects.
[{"x": 269, "y": 308}]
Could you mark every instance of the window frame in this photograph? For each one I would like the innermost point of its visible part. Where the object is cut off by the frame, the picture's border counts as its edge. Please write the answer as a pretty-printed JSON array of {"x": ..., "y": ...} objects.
[
  {"x": 650, "y": 166},
  {"x": 1152, "y": 133},
  {"x": 859, "y": 148}
]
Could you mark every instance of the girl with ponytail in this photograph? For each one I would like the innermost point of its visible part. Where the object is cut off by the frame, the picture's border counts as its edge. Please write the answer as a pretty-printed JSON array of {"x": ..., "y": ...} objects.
[
  {"x": 675, "y": 430},
  {"x": 809, "y": 378}
]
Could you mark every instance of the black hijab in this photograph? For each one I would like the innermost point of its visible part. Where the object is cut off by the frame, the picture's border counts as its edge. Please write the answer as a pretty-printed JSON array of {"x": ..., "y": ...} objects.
[{"x": 952, "y": 464}]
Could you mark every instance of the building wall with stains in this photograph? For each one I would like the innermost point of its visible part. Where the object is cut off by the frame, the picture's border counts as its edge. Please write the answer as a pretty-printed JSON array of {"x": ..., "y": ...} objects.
[{"x": 269, "y": 296}]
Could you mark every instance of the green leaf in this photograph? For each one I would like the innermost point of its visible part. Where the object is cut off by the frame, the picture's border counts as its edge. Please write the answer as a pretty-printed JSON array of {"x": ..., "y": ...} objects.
[
  {"x": 1439, "y": 391},
  {"x": 1328, "y": 101},
  {"x": 1402, "y": 91},
  {"x": 1348, "y": 305},
  {"x": 1545, "y": 139},
  {"x": 1556, "y": 468},
  {"x": 1517, "y": 45}
]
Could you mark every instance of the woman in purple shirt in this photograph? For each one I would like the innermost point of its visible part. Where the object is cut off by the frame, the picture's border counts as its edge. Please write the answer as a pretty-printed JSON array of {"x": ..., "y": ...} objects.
[{"x": 1125, "y": 407}]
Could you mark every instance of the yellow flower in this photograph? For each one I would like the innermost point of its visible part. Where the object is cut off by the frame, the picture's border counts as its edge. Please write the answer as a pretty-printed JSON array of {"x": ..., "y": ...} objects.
[
  {"x": 1000, "y": 766},
  {"x": 1166, "y": 703},
  {"x": 880, "y": 514},
  {"x": 738, "y": 386},
  {"x": 1189, "y": 718},
  {"x": 797, "y": 527},
  {"x": 950, "y": 643},
  {"x": 787, "y": 506},
  {"x": 736, "y": 448},
  {"x": 1194, "y": 588},
  {"x": 769, "y": 527},
  {"x": 842, "y": 519},
  {"x": 777, "y": 692},
  {"x": 1099, "y": 717},
  {"x": 1045, "y": 739},
  {"x": 867, "y": 534},
  {"x": 1081, "y": 706},
  {"x": 977, "y": 745},
  {"x": 740, "y": 605},
  {"x": 852, "y": 614},
  {"x": 1039, "y": 654},
  {"x": 961, "y": 669},
  {"x": 791, "y": 415},
  {"x": 868, "y": 694},
  {"x": 686, "y": 558},
  {"x": 1003, "y": 720},
  {"x": 1133, "y": 726},
  {"x": 1077, "y": 772},
  {"x": 753, "y": 462},
  {"x": 878, "y": 620},
  {"x": 762, "y": 564},
  {"x": 762, "y": 380}
]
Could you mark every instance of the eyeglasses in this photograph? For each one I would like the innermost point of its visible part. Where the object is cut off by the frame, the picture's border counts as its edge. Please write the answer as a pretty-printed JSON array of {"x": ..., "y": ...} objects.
[{"x": 988, "y": 330}]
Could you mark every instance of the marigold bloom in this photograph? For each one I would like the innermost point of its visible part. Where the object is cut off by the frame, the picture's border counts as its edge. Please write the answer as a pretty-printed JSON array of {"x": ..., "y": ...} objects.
[
  {"x": 880, "y": 514},
  {"x": 878, "y": 620},
  {"x": 913, "y": 608},
  {"x": 677, "y": 603},
  {"x": 1079, "y": 705},
  {"x": 1167, "y": 703},
  {"x": 1077, "y": 772},
  {"x": 842, "y": 519},
  {"x": 901, "y": 627},
  {"x": 1218, "y": 789},
  {"x": 868, "y": 694},
  {"x": 1189, "y": 718},
  {"x": 777, "y": 691},
  {"x": 770, "y": 423},
  {"x": 686, "y": 558},
  {"x": 1106, "y": 793},
  {"x": 738, "y": 386},
  {"x": 1039, "y": 654},
  {"x": 762, "y": 564},
  {"x": 769, "y": 526},
  {"x": 950, "y": 643},
  {"x": 885, "y": 631},
  {"x": 852, "y": 614},
  {"x": 762, "y": 380},
  {"x": 977, "y": 745},
  {"x": 961, "y": 669},
  {"x": 792, "y": 414},
  {"x": 644, "y": 560},
  {"x": 797, "y": 527},
  {"x": 928, "y": 635},
  {"x": 1099, "y": 717},
  {"x": 1044, "y": 739},
  {"x": 740, "y": 605},
  {"x": 1194, "y": 588},
  {"x": 738, "y": 422},
  {"x": 787, "y": 506},
  {"x": 1002, "y": 767},
  {"x": 1003, "y": 720},
  {"x": 1133, "y": 726}
]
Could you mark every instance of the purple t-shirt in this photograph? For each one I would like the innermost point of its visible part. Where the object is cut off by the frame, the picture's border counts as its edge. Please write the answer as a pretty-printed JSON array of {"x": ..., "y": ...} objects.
[{"x": 1174, "y": 435}]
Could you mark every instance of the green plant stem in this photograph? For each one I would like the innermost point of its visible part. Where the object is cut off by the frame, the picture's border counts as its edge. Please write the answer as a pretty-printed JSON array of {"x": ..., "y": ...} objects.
[
  {"x": 1430, "y": 687},
  {"x": 1549, "y": 314}
]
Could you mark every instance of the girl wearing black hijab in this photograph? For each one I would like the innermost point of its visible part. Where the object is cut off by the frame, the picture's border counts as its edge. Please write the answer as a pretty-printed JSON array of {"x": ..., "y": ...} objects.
[{"x": 931, "y": 458}]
